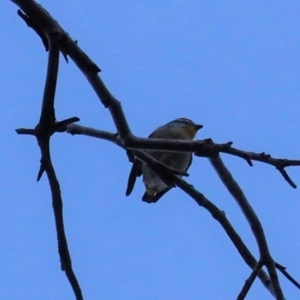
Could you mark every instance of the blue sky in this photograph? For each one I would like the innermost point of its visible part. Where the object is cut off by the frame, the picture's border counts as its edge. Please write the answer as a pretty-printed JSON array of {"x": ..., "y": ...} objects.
[{"x": 232, "y": 66}]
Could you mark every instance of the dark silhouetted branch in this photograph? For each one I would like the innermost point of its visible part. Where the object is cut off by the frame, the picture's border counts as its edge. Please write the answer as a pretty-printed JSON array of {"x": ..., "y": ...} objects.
[
  {"x": 253, "y": 221},
  {"x": 248, "y": 283},
  {"x": 282, "y": 269},
  {"x": 45, "y": 128}
]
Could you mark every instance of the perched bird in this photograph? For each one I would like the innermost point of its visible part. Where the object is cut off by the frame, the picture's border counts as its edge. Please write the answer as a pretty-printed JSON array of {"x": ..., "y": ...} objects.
[{"x": 183, "y": 129}]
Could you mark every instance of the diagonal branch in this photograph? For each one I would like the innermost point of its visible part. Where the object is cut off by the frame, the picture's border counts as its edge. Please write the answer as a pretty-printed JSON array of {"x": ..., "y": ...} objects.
[
  {"x": 253, "y": 221},
  {"x": 283, "y": 270},
  {"x": 248, "y": 283},
  {"x": 229, "y": 229}
]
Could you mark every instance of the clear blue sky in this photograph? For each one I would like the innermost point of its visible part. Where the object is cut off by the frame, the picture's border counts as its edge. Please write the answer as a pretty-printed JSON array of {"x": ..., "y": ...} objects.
[{"x": 233, "y": 66}]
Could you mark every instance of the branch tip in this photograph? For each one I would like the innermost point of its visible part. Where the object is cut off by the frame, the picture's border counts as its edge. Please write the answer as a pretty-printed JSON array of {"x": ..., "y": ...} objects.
[
  {"x": 25, "y": 131},
  {"x": 40, "y": 174},
  {"x": 61, "y": 126},
  {"x": 285, "y": 175},
  {"x": 248, "y": 160}
]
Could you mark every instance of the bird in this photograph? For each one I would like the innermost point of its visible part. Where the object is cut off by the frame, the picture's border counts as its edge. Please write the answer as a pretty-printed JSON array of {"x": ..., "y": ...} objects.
[{"x": 181, "y": 128}]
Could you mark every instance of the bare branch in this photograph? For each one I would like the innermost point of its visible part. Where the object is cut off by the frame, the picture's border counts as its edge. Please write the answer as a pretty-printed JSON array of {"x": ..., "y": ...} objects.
[
  {"x": 205, "y": 148},
  {"x": 279, "y": 164},
  {"x": 285, "y": 175},
  {"x": 253, "y": 221},
  {"x": 282, "y": 269},
  {"x": 62, "y": 125},
  {"x": 27, "y": 131},
  {"x": 262, "y": 157},
  {"x": 229, "y": 229},
  {"x": 101, "y": 134},
  {"x": 43, "y": 132},
  {"x": 248, "y": 283}
]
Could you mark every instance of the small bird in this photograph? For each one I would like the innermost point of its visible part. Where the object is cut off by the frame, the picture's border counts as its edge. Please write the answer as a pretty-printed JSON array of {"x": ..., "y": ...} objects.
[{"x": 183, "y": 129}]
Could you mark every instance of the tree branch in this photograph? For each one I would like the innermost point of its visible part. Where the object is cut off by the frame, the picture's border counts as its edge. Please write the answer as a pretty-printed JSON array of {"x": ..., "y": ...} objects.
[
  {"x": 253, "y": 221},
  {"x": 248, "y": 283},
  {"x": 283, "y": 270},
  {"x": 43, "y": 131}
]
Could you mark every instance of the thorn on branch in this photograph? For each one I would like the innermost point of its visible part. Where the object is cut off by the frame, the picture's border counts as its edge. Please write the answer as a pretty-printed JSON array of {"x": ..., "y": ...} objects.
[
  {"x": 265, "y": 155},
  {"x": 248, "y": 160},
  {"x": 286, "y": 177},
  {"x": 41, "y": 170}
]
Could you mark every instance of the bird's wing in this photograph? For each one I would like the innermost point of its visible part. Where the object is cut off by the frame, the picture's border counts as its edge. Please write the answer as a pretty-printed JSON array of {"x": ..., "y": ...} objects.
[
  {"x": 135, "y": 172},
  {"x": 190, "y": 162},
  {"x": 136, "y": 169}
]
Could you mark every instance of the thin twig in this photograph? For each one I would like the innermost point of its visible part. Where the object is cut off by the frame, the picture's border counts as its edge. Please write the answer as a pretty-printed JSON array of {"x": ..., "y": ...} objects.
[
  {"x": 283, "y": 270},
  {"x": 248, "y": 283}
]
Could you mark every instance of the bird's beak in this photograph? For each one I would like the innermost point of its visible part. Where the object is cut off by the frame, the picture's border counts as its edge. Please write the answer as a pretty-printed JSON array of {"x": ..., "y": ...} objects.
[{"x": 197, "y": 126}]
